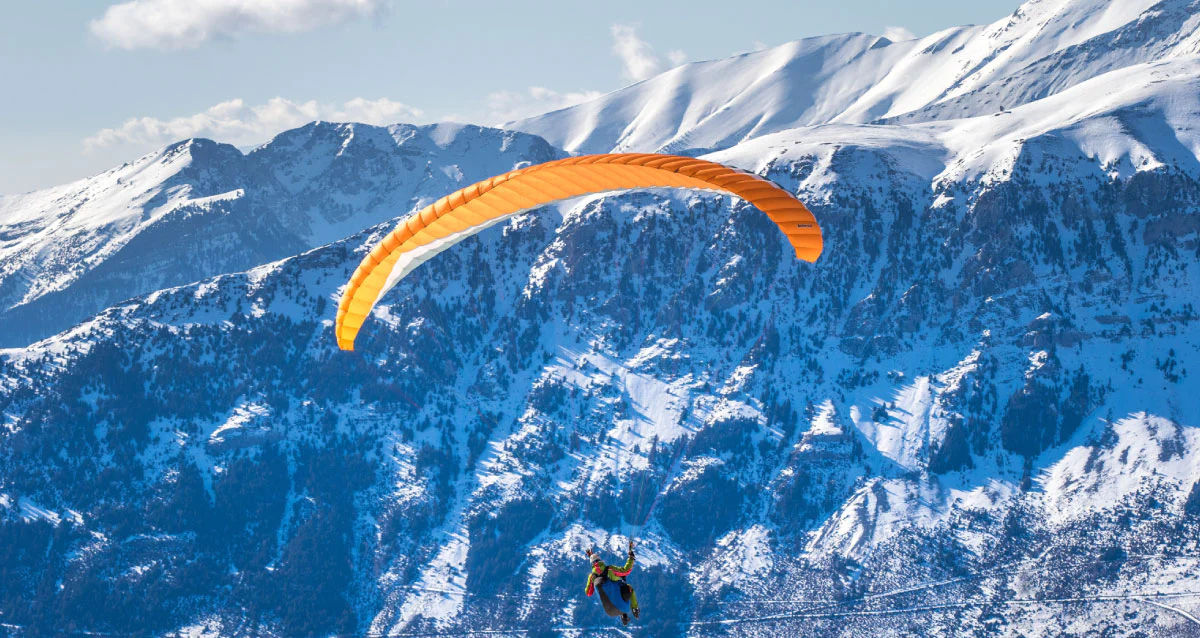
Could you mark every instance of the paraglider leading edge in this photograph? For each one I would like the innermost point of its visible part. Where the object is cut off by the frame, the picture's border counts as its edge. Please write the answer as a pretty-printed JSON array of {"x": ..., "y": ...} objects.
[{"x": 466, "y": 212}]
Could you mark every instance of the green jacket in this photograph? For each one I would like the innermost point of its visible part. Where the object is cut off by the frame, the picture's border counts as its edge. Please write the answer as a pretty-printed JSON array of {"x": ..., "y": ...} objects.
[{"x": 609, "y": 572}]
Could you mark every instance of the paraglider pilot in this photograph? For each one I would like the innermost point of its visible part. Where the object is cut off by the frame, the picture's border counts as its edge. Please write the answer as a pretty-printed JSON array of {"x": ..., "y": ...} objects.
[{"x": 616, "y": 595}]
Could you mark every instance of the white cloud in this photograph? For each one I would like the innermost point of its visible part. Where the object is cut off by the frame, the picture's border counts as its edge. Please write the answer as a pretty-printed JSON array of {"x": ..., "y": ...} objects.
[
  {"x": 241, "y": 124},
  {"x": 638, "y": 62},
  {"x": 186, "y": 24},
  {"x": 637, "y": 56},
  {"x": 898, "y": 34},
  {"x": 638, "y": 59},
  {"x": 506, "y": 106}
]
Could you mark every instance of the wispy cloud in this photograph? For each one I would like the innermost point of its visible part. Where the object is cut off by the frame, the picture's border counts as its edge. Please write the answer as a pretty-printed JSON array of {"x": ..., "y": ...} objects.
[
  {"x": 638, "y": 59},
  {"x": 898, "y": 34},
  {"x": 506, "y": 106},
  {"x": 186, "y": 24},
  {"x": 238, "y": 123},
  {"x": 638, "y": 62}
]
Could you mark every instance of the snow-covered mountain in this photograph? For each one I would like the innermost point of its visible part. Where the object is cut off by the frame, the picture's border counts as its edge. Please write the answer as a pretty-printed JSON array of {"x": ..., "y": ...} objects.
[
  {"x": 1043, "y": 48},
  {"x": 976, "y": 415},
  {"x": 197, "y": 209}
]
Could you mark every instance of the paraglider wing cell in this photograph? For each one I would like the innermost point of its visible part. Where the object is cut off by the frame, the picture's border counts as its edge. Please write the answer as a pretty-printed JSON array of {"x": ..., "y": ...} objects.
[{"x": 466, "y": 212}]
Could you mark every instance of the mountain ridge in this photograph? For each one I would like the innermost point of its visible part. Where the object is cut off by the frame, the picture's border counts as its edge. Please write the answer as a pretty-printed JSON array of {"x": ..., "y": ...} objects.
[
  {"x": 198, "y": 208},
  {"x": 1041, "y": 49}
]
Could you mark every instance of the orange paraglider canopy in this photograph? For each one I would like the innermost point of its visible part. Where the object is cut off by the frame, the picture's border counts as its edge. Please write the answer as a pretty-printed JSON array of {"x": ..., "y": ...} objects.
[{"x": 461, "y": 214}]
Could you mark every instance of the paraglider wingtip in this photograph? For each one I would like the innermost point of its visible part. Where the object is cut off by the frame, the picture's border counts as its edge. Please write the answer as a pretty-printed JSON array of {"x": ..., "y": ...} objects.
[{"x": 808, "y": 254}]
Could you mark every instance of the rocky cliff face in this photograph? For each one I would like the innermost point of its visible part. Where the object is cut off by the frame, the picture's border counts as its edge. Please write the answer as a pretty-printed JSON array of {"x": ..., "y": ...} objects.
[{"x": 973, "y": 416}]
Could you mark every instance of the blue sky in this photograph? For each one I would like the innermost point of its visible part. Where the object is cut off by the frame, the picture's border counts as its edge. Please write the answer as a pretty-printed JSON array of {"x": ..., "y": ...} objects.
[{"x": 90, "y": 84}]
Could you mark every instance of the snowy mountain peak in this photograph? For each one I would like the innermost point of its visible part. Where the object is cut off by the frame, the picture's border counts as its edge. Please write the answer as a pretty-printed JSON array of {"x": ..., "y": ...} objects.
[
  {"x": 197, "y": 208},
  {"x": 56, "y": 235},
  {"x": 1043, "y": 48}
]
